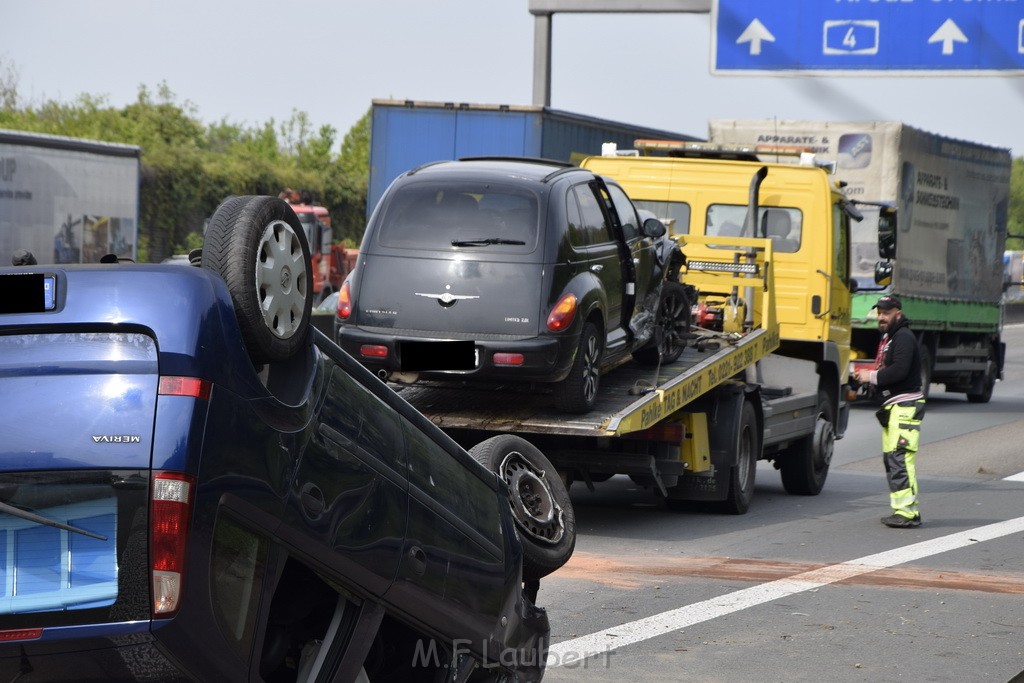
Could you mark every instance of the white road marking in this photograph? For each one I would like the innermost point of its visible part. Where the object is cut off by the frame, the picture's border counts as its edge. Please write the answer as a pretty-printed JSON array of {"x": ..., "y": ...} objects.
[
  {"x": 1015, "y": 477},
  {"x": 572, "y": 651}
]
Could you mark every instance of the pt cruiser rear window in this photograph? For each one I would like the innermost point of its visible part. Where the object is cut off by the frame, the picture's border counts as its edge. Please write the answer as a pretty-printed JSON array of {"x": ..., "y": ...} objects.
[{"x": 465, "y": 216}]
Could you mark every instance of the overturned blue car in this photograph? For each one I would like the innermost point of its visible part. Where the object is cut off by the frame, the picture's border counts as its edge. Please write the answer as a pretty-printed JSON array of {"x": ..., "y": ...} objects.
[{"x": 196, "y": 484}]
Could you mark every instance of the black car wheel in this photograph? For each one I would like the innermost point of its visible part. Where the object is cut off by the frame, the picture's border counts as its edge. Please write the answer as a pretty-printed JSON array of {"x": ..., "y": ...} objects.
[
  {"x": 257, "y": 246},
  {"x": 673, "y": 327},
  {"x": 539, "y": 500},
  {"x": 577, "y": 393}
]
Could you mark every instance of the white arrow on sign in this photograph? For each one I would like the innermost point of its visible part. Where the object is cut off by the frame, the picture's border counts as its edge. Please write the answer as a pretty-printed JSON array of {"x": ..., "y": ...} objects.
[
  {"x": 754, "y": 34},
  {"x": 948, "y": 34}
]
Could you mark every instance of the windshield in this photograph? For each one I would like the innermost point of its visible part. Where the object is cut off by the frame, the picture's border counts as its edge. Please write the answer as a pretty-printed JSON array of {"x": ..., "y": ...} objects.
[
  {"x": 784, "y": 226},
  {"x": 471, "y": 216},
  {"x": 675, "y": 215}
]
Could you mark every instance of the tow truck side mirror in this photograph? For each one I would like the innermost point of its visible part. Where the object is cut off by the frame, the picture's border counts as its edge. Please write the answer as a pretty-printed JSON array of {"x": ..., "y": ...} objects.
[{"x": 886, "y": 234}]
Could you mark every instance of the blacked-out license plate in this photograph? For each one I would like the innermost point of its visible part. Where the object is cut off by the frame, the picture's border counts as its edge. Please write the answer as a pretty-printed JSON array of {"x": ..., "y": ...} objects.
[
  {"x": 420, "y": 356},
  {"x": 27, "y": 293}
]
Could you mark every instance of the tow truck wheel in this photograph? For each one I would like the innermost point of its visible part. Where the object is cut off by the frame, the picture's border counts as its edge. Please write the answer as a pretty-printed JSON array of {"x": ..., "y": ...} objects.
[
  {"x": 804, "y": 466},
  {"x": 674, "y": 327},
  {"x": 540, "y": 503},
  {"x": 741, "y": 478},
  {"x": 257, "y": 246}
]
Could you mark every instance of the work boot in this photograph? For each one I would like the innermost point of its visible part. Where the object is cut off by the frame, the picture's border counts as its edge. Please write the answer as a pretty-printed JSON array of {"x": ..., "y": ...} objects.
[{"x": 901, "y": 522}]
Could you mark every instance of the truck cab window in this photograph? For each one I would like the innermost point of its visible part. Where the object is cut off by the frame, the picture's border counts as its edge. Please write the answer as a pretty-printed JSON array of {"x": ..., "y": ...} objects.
[{"x": 675, "y": 215}]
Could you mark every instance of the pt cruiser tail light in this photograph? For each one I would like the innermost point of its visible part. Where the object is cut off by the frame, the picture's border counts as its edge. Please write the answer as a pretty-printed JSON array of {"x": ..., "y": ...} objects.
[
  {"x": 345, "y": 301},
  {"x": 562, "y": 314}
]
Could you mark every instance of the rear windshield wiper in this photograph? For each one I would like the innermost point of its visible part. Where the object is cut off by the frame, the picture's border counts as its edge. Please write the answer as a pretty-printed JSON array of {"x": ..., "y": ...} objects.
[
  {"x": 32, "y": 517},
  {"x": 485, "y": 241}
]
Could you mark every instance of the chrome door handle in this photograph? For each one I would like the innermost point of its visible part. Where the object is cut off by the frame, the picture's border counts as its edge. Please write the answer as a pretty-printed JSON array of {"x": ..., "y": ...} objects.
[{"x": 597, "y": 268}]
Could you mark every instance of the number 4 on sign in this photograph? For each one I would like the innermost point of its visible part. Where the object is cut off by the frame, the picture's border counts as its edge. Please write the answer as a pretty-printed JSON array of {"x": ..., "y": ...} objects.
[
  {"x": 754, "y": 34},
  {"x": 851, "y": 37}
]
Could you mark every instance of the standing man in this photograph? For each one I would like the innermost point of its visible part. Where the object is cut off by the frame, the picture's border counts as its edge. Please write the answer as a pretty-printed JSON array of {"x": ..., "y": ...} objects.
[{"x": 899, "y": 377}]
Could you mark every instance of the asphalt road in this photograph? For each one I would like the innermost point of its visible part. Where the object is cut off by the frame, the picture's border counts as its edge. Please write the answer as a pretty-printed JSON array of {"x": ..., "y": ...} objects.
[{"x": 812, "y": 588}]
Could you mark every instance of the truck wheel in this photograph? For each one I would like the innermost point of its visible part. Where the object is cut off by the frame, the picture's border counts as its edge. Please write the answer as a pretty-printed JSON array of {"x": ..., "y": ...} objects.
[
  {"x": 673, "y": 324},
  {"x": 257, "y": 246},
  {"x": 741, "y": 478},
  {"x": 804, "y": 466},
  {"x": 577, "y": 393},
  {"x": 988, "y": 384},
  {"x": 540, "y": 503}
]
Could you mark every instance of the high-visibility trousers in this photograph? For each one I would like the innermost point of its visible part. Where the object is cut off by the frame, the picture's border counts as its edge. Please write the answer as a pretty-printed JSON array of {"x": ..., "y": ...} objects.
[{"x": 900, "y": 437}]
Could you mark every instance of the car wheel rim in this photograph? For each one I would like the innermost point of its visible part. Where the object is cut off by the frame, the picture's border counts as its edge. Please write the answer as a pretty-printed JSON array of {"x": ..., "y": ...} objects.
[
  {"x": 533, "y": 505},
  {"x": 591, "y": 371},
  {"x": 281, "y": 279},
  {"x": 672, "y": 313}
]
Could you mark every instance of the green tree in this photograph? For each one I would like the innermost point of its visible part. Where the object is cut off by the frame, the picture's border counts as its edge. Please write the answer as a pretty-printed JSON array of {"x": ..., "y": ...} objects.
[
  {"x": 348, "y": 192},
  {"x": 189, "y": 167}
]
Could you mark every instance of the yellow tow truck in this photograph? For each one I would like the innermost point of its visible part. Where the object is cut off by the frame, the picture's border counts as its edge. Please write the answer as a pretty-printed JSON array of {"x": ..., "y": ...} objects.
[{"x": 764, "y": 374}]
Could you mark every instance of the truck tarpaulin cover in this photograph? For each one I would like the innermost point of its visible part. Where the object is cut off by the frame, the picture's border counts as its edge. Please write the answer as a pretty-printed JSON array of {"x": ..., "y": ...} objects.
[
  {"x": 951, "y": 197},
  {"x": 67, "y": 200}
]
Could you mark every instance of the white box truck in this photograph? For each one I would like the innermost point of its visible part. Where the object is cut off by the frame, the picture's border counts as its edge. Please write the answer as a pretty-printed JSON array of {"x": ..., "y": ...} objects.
[{"x": 67, "y": 200}]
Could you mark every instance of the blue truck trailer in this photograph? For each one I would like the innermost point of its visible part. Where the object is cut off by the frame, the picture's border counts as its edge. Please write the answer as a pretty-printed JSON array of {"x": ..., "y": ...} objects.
[{"x": 405, "y": 134}]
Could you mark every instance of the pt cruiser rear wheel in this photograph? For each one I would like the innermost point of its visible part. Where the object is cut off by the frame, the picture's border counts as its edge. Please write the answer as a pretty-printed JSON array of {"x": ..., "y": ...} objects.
[{"x": 577, "y": 393}]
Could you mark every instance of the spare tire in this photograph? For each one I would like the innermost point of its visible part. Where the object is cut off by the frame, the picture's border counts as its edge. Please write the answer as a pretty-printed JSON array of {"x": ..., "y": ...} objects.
[
  {"x": 257, "y": 246},
  {"x": 540, "y": 502}
]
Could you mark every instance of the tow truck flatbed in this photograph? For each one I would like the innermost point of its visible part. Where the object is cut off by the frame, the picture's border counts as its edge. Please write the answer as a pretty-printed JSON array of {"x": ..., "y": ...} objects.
[{"x": 629, "y": 400}]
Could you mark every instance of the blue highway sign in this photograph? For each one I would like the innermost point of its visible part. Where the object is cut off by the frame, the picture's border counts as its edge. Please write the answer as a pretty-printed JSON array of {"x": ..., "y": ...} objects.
[{"x": 860, "y": 37}]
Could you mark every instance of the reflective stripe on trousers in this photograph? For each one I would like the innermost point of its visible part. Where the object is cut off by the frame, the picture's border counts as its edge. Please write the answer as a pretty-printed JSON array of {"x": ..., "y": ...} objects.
[{"x": 899, "y": 452}]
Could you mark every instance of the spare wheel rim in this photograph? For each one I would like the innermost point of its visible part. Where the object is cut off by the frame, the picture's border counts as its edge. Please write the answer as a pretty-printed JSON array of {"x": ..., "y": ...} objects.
[
  {"x": 533, "y": 505},
  {"x": 281, "y": 279}
]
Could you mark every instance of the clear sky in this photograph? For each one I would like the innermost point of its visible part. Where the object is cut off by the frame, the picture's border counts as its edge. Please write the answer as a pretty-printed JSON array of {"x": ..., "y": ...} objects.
[{"x": 247, "y": 61}]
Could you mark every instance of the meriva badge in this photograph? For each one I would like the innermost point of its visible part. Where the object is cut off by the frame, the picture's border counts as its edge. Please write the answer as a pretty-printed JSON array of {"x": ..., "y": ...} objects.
[{"x": 116, "y": 438}]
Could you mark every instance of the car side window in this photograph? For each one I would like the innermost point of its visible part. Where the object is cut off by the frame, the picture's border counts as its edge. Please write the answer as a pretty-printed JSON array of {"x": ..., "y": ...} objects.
[
  {"x": 578, "y": 237},
  {"x": 434, "y": 471},
  {"x": 626, "y": 211},
  {"x": 362, "y": 422},
  {"x": 594, "y": 223}
]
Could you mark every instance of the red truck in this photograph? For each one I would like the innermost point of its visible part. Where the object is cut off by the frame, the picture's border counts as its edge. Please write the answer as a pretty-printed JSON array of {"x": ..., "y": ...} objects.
[{"x": 331, "y": 262}]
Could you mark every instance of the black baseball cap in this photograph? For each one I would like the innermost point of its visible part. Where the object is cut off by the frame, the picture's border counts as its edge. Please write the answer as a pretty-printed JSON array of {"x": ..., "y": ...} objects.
[{"x": 888, "y": 302}]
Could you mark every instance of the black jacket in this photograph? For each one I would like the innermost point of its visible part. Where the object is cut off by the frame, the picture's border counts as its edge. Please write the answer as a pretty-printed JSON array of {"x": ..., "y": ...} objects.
[{"x": 900, "y": 372}]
